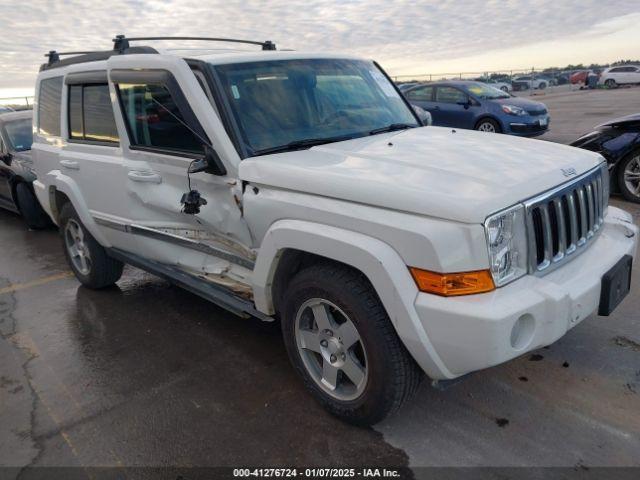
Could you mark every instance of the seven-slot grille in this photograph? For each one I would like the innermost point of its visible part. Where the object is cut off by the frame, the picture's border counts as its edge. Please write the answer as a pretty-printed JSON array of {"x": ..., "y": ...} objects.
[{"x": 563, "y": 222}]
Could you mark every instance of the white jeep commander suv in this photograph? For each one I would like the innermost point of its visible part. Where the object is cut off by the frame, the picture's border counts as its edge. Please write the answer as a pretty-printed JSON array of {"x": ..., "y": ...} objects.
[{"x": 304, "y": 187}]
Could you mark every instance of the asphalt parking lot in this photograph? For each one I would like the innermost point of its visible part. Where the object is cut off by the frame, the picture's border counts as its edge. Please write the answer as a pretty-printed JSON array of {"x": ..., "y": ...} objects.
[{"x": 146, "y": 374}]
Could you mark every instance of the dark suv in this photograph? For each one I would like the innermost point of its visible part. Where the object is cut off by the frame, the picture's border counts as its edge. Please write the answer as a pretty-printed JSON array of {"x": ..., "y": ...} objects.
[{"x": 16, "y": 169}]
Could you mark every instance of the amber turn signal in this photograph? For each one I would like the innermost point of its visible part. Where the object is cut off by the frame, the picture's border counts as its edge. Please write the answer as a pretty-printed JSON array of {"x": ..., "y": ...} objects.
[{"x": 452, "y": 284}]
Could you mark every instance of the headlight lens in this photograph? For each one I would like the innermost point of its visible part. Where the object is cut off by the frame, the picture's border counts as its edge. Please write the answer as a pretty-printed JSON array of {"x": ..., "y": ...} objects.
[
  {"x": 507, "y": 243},
  {"x": 513, "y": 110}
]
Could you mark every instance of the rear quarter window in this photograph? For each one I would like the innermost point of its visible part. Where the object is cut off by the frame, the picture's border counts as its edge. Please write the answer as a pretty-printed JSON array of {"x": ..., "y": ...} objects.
[{"x": 49, "y": 106}]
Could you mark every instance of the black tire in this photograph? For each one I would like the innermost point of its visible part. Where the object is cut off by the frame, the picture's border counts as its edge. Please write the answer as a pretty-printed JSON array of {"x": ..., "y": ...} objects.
[
  {"x": 610, "y": 83},
  {"x": 103, "y": 270},
  {"x": 489, "y": 121},
  {"x": 393, "y": 375},
  {"x": 504, "y": 89},
  {"x": 626, "y": 193},
  {"x": 34, "y": 216},
  {"x": 542, "y": 86}
]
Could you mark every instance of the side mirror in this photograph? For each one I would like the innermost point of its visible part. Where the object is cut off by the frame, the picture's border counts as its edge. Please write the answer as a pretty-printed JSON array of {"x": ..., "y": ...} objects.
[
  {"x": 210, "y": 163},
  {"x": 423, "y": 115},
  {"x": 466, "y": 103},
  {"x": 7, "y": 158}
]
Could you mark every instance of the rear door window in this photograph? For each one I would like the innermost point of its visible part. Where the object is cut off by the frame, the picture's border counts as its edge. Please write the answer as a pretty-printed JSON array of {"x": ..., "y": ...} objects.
[
  {"x": 49, "y": 106},
  {"x": 421, "y": 94},
  {"x": 91, "y": 116},
  {"x": 450, "y": 95}
]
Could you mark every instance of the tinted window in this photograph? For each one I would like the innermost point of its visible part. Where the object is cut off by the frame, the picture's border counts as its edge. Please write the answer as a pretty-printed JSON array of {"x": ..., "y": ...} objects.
[
  {"x": 91, "y": 114},
  {"x": 423, "y": 94},
  {"x": 76, "y": 130},
  {"x": 450, "y": 95},
  {"x": 99, "y": 123},
  {"x": 49, "y": 106},
  {"x": 155, "y": 121},
  {"x": 19, "y": 134}
]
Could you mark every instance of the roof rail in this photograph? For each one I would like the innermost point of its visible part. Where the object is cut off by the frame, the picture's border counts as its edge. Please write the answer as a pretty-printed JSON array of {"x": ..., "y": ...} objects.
[
  {"x": 121, "y": 43},
  {"x": 55, "y": 56}
]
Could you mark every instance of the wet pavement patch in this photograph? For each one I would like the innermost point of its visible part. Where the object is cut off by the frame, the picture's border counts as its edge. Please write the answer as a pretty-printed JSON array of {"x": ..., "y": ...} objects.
[
  {"x": 627, "y": 343},
  {"x": 523, "y": 379},
  {"x": 565, "y": 364}
]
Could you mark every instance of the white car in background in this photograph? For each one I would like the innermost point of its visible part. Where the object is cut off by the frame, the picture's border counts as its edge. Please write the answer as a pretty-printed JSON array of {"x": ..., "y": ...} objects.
[{"x": 615, "y": 76}]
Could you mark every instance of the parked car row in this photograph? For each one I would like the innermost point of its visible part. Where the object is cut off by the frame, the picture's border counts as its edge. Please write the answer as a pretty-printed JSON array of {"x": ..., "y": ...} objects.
[
  {"x": 479, "y": 106},
  {"x": 316, "y": 195}
]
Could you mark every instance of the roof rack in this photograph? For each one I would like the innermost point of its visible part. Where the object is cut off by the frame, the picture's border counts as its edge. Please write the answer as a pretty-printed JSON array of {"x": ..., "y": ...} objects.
[
  {"x": 121, "y": 46},
  {"x": 121, "y": 43}
]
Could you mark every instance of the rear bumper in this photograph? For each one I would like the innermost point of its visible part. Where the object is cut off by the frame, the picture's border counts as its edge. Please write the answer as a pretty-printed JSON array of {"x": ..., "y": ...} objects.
[{"x": 478, "y": 331}]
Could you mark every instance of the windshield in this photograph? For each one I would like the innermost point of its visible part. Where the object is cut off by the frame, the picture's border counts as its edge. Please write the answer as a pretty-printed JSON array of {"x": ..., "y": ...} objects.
[
  {"x": 295, "y": 103},
  {"x": 486, "y": 92},
  {"x": 20, "y": 134}
]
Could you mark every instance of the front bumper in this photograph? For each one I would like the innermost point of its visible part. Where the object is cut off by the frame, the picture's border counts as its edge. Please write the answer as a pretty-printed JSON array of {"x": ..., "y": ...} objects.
[
  {"x": 478, "y": 331},
  {"x": 530, "y": 126}
]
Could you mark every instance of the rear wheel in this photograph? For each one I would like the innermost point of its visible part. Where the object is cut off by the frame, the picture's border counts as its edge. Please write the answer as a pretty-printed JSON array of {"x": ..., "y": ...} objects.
[
  {"x": 33, "y": 214},
  {"x": 340, "y": 340},
  {"x": 504, "y": 88},
  {"x": 87, "y": 258},
  {"x": 488, "y": 125},
  {"x": 629, "y": 177}
]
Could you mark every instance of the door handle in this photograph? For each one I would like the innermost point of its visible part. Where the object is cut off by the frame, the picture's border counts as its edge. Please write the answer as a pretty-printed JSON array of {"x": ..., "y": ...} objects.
[
  {"x": 144, "y": 176},
  {"x": 70, "y": 164}
]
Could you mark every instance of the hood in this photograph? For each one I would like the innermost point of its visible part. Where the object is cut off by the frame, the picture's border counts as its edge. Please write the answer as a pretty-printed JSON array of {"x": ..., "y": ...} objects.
[
  {"x": 459, "y": 175},
  {"x": 628, "y": 121},
  {"x": 522, "y": 103}
]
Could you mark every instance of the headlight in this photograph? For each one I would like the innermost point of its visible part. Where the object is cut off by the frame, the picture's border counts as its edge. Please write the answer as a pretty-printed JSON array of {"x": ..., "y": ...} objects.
[
  {"x": 507, "y": 243},
  {"x": 513, "y": 110}
]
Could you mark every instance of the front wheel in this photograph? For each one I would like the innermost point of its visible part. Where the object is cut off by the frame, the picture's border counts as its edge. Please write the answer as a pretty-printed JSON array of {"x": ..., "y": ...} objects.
[
  {"x": 542, "y": 86},
  {"x": 629, "y": 177},
  {"x": 87, "y": 258},
  {"x": 488, "y": 125},
  {"x": 610, "y": 83},
  {"x": 340, "y": 340}
]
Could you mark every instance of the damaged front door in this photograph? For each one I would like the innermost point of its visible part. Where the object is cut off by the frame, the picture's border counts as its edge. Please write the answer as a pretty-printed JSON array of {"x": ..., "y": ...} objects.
[{"x": 165, "y": 139}]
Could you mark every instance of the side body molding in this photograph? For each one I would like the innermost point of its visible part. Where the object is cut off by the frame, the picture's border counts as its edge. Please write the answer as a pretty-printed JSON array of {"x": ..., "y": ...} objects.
[{"x": 378, "y": 261}]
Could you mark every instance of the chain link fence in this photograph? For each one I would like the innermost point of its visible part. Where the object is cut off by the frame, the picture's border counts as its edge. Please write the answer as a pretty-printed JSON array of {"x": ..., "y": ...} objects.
[
  {"x": 520, "y": 81},
  {"x": 17, "y": 103}
]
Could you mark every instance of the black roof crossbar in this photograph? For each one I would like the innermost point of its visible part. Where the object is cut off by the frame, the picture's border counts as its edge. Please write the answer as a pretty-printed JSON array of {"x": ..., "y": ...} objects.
[
  {"x": 84, "y": 57},
  {"x": 121, "y": 43}
]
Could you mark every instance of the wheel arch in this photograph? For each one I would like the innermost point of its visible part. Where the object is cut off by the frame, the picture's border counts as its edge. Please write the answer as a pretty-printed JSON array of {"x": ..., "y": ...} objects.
[
  {"x": 291, "y": 244},
  {"x": 489, "y": 116},
  {"x": 60, "y": 190}
]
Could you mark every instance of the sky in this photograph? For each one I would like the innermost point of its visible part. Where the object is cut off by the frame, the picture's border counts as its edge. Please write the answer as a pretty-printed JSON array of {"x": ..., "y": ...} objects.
[{"x": 405, "y": 37}]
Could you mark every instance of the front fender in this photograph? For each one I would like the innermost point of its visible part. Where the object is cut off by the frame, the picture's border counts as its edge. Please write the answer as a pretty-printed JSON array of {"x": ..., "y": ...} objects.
[{"x": 380, "y": 263}]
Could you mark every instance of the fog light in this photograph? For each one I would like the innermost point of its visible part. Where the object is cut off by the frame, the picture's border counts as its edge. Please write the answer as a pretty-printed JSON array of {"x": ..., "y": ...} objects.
[{"x": 522, "y": 332}]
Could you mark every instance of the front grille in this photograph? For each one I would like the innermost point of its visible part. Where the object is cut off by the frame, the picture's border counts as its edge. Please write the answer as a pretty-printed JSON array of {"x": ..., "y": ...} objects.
[
  {"x": 542, "y": 111},
  {"x": 563, "y": 222}
]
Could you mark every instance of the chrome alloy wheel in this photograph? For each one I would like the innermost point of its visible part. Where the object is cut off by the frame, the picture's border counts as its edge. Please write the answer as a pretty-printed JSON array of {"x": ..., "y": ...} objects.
[
  {"x": 331, "y": 349},
  {"x": 76, "y": 247},
  {"x": 486, "y": 127},
  {"x": 632, "y": 176}
]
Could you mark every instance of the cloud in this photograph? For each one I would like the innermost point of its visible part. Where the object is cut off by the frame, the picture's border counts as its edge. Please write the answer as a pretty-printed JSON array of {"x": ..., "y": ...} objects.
[{"x": 402, "y": 35}]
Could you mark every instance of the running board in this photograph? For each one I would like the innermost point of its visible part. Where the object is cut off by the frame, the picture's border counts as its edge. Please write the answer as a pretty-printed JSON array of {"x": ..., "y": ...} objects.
[{"x": 220, "y": 296}]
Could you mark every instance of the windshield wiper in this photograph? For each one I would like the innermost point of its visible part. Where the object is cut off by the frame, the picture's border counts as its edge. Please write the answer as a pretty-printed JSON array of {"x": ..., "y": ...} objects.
[
  {"x": 301, "y": 144},
  {"x": 392, "y": 128}
]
